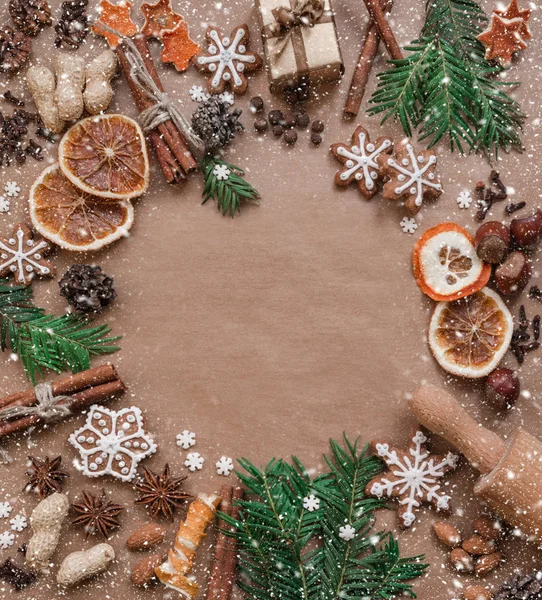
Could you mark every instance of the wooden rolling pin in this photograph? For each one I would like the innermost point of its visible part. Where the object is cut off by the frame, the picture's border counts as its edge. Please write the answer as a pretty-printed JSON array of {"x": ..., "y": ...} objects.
[{"x": 511, "y": 481}]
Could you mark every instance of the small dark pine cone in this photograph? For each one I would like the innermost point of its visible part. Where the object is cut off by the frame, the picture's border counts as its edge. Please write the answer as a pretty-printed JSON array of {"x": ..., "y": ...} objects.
[
  {"x": 30, "y": 16},
  {"x": 14, "y": 50},
  {"x": 214, "y": 124},
  {"x": 521, "y": 587},
  {"x": 86, "y": 288}
]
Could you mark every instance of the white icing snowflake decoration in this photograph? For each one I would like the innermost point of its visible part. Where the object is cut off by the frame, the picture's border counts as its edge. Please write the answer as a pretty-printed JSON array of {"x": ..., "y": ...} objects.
[
  {"x": 12, "y": 189},
  {"x": 5, "y": 510},
  {"x": 112, "y": 443},
  {"x": 4, "y": 204},
  {"x": 408, "y": 225},
  {"x": 221, "y": 172},
  {"x": 18, "y": 523},
  {"x": 224, "y": 466},
  {"x": 7, "y": 539},
  {"x": 23, "y": 257},
  {"x": 186, "y": 439},
  {"x": 198, "y": 94},
  {"x": 311, "y": 503},
  {"x": 347, "y": 533},
  {"x": 464, "y": 200},
  {"x": 194, "y": 461},
  {"x": 227, "y": 98},
  {"x": 361, "y": 160}
]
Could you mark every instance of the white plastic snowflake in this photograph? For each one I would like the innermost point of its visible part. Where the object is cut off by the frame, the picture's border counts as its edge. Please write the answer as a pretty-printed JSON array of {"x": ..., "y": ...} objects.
[
  {"x": 224, "y": 466},
  {"x": 227, "y": 98},
  {"x": 4, "y": 204},
  {"x": 311, "y": 503},
  {"x": 112, "y": 443},
  {"x": 7, "y": 539},
  {"x": 194, "y": 461},
  {"x": 408, "y": 225},
  {"x": 5, "y": 510},
  {"x": 12, "y": 189},
  {"x": 186, "y": 439},
  {"x": 464, "y": 200},
  {"x": 198, "y": 94},
  {"x": 221, "y": 172},
  {"x": 347, "y": 533},
  {"x": 18, "y": 523}
]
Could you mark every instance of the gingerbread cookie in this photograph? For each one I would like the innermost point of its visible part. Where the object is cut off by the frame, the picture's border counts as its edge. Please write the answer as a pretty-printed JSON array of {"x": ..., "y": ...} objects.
[
  {"x": 159, "y": 17},
  {"x": 411, "y": 176},
  {"x": 513, "y": 11},
  {"x": 21, "y": 255},
  {"x": 227, "y": 60},
  {"x": 359, "y": 161},
  {"x": 502, "y": 39}
]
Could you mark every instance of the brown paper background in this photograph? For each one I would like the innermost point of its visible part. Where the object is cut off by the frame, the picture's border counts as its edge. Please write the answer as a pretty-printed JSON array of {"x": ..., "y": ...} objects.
[{"x": 270, "y": 333}]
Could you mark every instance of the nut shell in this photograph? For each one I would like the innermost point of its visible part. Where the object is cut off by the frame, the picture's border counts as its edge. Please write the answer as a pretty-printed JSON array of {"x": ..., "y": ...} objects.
[
  {"x": 502, "y": 389},
  {"x": 527, "y": 231},
  {"x": 492, "y": 242},
  {"x": 513, "y": 274}
]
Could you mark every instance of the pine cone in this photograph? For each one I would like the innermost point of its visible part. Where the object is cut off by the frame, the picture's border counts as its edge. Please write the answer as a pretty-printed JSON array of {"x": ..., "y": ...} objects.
[
  {"x": 521, "y": 587},
  {"x": 30, "y": 16},
  {"x": 87, "y": 288},
  {"x": 14, "y": 50},
  {"x": 214, "y": 124}
]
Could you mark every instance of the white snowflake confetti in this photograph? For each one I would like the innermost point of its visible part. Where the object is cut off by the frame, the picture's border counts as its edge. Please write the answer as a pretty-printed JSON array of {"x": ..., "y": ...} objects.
[
  {"x": 464, "y": 200},
  {"x": 408, "y": 225},
  {"x": 186, "y": 439},
  {"x": 7, "y": 539},
  {"x": 221, "y": 172},
  {"x": 18, "y": 523},
  {"x": 224, "y": 466},
  {"x": 5, "y": 510},
  {"x": 311, "y": 503},
  {"x": 198, "y": 94},
  {"x": 227, "y": 98},
  {"x": 12, "y": 189},
  {"x": 4, "y": 204},
  {"x": 347, "y": 533},
  {"x": 194, "y": 461}
]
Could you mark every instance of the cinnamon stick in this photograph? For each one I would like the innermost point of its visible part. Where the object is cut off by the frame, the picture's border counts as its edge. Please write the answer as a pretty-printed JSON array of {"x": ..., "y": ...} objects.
[
  {"x": 230, "y": 558},
  {"x": 386, "y": 34},
  {"x": 215, "y": 579}
]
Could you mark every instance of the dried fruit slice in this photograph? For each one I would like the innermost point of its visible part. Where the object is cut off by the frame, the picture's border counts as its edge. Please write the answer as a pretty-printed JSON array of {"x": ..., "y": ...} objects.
[
  {"x": 470, "y": 336},
  {"x": 106, "y": 156},
  {"x": 73, "y": 219},
  {"x": 446, "y": 266}
]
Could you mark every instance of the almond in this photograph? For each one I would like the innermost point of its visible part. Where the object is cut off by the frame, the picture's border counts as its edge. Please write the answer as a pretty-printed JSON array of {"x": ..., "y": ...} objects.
[
  {"x": 477, "y": 545},
  {"x": 477, "y": 592},
  {"x": 486, "y": 564},
  {"x": 447, "y": 534},
  {"x": 146, "y": 537},
  {"x": 461, "y": 561},
  {"x": 143, "y": 571},
  {"x": 488, "y": 528}
]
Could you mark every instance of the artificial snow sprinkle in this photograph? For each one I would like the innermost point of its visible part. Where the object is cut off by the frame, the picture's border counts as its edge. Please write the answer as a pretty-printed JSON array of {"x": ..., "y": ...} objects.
[
  {"x": 18, "y": 523},
  {"x": 186, "y": 439},
  {"x": 227, "y": 97},
  {"x": 198, "y": 94},
  {"x": 311, "y": 503},
  {"x": 12, "y": 189},
  {"x": 5, "y": 510},
  {"x": 224, "y": 466},
  {"x": 347, "y": 533},
  {"x": 464, "y": 200},
  {"x": 4, "y": 204},
  {"x": 194, "y": 461},
  {"x": 408, "y": 225},
  {"x": 7, "y": 539},
  {"x": 221, "y": 172}
]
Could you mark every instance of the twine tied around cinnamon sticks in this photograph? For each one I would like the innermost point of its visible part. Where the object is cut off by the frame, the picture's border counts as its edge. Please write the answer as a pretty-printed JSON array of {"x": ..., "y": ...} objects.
[{"x": 49, "y": 408}]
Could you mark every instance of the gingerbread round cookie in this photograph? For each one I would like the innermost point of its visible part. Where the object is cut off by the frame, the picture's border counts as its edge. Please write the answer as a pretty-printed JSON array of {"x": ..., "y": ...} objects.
[{"x": 227, "y": 60}]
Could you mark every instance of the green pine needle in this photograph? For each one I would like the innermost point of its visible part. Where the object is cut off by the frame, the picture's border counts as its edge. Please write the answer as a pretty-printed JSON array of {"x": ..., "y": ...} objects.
[
  {"x": 229, "y": 194},
  {"x": 45, "y": 341}
]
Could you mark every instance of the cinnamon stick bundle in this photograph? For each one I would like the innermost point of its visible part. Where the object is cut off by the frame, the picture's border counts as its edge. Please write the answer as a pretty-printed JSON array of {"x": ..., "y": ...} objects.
[{"x": 383, "y": 27}]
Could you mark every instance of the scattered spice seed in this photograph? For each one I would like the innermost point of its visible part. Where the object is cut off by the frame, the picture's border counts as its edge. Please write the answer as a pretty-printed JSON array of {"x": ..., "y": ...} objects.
[
  {"x": 521, "y": 342},
  {"x": 535, "y": 293},
  {"x": 260, "y": 125},
  {"x": 34, "y": 150},
  {"x": 317, "y": 126},
  {"x": 16, "y": 576},
  {"x": 9, "y": 97},
  {"x": 290, "y": 137},
  {"x": 256, "y": 104},
  {"x": 45, "y": 476},
  {"x": 502, "y": 193},
  {"x": 275, "y": 117},
  {"x": 97, "y": 514},
  {"x": 536, "y": 327},
  {"x": 46, "y": 134},
  {"x": 303, "y": 120},
  {"x": 512, "y": 208},
  {"x": 278, "y": 130},
  {"x": 316, "y": 139}
]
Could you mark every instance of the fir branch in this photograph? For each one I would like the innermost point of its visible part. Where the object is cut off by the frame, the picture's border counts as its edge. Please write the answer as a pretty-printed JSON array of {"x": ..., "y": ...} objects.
[{"x": 229, "y": 193}]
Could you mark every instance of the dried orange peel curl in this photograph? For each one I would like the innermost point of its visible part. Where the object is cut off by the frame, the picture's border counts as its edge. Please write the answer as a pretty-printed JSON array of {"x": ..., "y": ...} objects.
[
  {"x": 116, "y": 17},
  {"x": 159, "y": 17},
  {"x": 173, "y": 572},
  {"x": 445, "y": 263}
]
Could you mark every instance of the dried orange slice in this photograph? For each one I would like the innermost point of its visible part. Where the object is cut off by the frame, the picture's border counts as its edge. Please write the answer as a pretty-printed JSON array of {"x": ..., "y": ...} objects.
[
  {"x": 106, "y": 156},
  {"x": 446, "y": 266},
  {"x": 470, "y": 336},
  {"x": 73, "y": 219}
]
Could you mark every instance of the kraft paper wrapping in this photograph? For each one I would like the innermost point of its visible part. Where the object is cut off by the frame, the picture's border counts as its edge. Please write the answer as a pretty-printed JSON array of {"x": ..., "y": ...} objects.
[{"x": 321, "y": 44}]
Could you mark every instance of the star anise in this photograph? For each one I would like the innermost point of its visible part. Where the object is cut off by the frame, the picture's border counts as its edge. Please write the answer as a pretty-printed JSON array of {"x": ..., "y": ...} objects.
[
  {"x": 160, "y": 493},
  {"x": 44, "y": 476},
  {"x": 97, "y": 514}
]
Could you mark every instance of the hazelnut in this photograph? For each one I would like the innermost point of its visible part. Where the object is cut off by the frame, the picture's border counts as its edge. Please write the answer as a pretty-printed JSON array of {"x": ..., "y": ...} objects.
[
  {"x": 477, "y": 592},
  {"x": 527, "y": 231},
  {"x": 502, "y": 390},
  {"x": 492, "y": 242},
  {"x": 513, "y": 274},
  {"x": 461, "y": 561}
]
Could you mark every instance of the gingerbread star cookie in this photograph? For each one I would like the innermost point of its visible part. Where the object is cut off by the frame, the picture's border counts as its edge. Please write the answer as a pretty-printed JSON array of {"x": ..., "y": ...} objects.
[
  {"x": 513, "y": 11},
  {"x": 412, "y": 476},
  {"x": 503, "y": 39},
  {"x": 159, "y": 17},
  {"x": 411, "y": 176},
  {"x": 227, "y": 60},
  {"x": 21, "y": 255},
  {"x": 360, "y": 161}
]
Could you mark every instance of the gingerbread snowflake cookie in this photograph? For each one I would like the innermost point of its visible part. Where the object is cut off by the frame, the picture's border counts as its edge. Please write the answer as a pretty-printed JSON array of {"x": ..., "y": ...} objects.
[
  {"x": 227, "y": 60},
  {"x": 22, "y": 255},
  {"x": 411, "y": 176},
  {"x": 412, "y": 477},
  {"x": 360, "y": 161}
]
